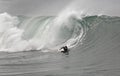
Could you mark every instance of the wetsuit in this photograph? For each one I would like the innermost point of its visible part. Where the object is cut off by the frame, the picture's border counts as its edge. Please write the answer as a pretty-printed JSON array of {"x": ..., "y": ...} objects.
[{"x": 65, "y": 50}]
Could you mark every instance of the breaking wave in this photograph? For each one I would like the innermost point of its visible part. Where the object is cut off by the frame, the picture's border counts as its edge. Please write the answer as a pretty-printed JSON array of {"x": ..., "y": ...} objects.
[
  {"x": 46, "y": 33},
  {"x": 20, "y": 33}
]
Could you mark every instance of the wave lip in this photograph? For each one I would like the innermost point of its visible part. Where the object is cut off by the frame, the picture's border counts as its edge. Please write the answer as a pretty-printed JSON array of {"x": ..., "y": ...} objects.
[{"x": 45, "y": 32}]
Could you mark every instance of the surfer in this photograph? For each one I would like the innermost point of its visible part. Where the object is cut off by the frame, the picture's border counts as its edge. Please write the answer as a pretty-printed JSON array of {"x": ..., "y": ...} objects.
[{"x": 65, "y": 50}]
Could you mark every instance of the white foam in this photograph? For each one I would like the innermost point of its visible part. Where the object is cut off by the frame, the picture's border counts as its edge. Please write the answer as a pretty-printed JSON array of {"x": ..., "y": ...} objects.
[{"x": 51, "y": 34}]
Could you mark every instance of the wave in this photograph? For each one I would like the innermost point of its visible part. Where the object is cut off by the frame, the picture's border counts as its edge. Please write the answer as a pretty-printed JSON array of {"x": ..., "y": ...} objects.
[
  {"x": 35, "y": 33},
  {"x": 21, "y": 33}
]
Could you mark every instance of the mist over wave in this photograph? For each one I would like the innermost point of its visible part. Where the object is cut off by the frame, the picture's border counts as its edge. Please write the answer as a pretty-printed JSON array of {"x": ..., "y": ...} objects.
[
  {"x": 48, "y": 33},
  {"x": 20, "y": 33}
]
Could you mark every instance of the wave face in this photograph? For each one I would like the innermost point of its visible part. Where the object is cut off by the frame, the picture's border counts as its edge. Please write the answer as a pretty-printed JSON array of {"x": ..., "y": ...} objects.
[
  {"x": 35, "y": 33},
  {"x": 49, "y": 33},
  {"x": 96, "y": 40}
]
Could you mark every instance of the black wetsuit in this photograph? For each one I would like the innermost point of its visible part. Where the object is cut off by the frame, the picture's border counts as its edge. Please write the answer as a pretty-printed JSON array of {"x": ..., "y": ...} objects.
[{"x": 65, "y": 50}]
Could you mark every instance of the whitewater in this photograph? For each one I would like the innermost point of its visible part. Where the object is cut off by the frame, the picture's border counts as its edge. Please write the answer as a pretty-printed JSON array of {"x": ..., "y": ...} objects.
[
  {"x": 36, "y": 33},
  {"x": 29, "y": 46}
]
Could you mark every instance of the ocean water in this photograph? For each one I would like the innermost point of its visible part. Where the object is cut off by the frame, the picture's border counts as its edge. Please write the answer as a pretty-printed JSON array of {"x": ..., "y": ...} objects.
[{"x": 29, "y": 46}]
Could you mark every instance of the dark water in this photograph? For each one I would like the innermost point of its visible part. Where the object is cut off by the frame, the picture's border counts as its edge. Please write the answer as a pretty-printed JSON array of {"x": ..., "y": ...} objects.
[{"x": 99, "y": 55}]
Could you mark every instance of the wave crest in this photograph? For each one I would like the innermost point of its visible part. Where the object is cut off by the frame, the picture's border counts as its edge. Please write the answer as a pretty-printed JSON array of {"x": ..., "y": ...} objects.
[{"x": 24, "y": 33}]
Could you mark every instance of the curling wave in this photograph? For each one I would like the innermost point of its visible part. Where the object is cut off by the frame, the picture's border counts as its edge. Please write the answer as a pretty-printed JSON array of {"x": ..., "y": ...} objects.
[
  {"x": 48, "y": 33},
  {"x": 36, "y": 33}
]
